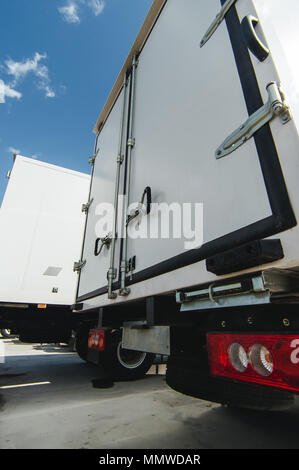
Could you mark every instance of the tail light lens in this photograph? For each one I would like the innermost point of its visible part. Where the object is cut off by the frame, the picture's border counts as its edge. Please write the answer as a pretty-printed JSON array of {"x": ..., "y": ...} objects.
[
  {"x": 238, "y": 357},
  {"x": 96, "y": 340},
  {"x": 271, "y": 360},
  {"x": 261, "y": 360}
]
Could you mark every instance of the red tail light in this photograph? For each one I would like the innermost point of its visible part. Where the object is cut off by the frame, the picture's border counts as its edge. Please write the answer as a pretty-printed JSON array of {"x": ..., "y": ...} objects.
[
  {"x": 271, "y": 360},
  {"x": 96, "y": 340}
]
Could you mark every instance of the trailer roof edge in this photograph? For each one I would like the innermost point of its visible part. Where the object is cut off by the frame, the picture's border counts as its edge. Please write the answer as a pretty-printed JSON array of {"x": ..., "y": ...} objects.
[{"x": 137, "y": 47}]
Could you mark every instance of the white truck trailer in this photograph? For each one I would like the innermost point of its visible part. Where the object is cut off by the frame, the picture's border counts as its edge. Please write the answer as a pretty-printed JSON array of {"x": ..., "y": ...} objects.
[
  {"x": 201, "y": 126},
  {"x": 41, "y": 230}
]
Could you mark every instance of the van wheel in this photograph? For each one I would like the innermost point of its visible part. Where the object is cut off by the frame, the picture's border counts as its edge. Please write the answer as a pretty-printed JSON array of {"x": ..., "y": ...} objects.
[
  {"x": 6, "y": 333},
  {"x": 184, "y": 378},
  {"x": 124, "y": 364},
  {"x": 81, "y": 341}
]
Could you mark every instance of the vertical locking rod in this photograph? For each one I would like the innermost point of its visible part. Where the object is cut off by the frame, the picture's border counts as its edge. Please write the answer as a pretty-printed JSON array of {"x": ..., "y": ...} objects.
[
  {"x": 111, "y": 272},
  {"x": 130, "y": 144}
]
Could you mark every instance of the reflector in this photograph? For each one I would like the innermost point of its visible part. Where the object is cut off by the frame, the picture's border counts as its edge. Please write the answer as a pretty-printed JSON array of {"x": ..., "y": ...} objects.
[{"x": 96, "y": 340}]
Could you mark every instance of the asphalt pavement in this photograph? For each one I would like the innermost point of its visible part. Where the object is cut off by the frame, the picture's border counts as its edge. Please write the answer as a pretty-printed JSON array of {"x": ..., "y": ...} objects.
[{"x": 48, "y": 401}]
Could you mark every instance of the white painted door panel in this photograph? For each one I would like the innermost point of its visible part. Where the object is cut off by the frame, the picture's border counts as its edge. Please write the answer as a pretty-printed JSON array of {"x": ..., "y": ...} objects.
[
  {"x": 188, "y": 100},
  {"x": 94, "y": 274}
]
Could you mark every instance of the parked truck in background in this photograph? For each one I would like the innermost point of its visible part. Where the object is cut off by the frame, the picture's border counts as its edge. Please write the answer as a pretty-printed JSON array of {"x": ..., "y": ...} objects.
[
  {"x": 203, "y": 117},
  {"x": 41, "y": 229}
]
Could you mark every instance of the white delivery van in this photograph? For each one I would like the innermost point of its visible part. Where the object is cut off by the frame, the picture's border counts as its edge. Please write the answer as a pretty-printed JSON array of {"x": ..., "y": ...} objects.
[
  {"x": 197, "y": 154},
  {"x": 41, "y": 230}
]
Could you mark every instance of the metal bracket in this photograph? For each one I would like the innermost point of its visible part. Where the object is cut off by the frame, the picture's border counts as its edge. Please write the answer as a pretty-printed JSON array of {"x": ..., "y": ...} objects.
[
  {"x": 135, "y": 62},
  {"x": 133, "y": 214},
  {"x": 136, "y": 325},
  {"x": 78, "y": 265},
  {"x": 131, "y": 265},
  {"x": 209, "y": 292},
  {"x": 139, "y": 209},
  {"x": 85, "y": 207},
  {"x": 275, "y": 106},
  {"x": 112, "y": 274},
  {"x": 124, "y": 291},
  {"x": 217, "y": 21},
  {"x": 131, "y": 143},
  {"x": 106, "y": 241},
  {"x": 240, "y": 293},
  {"x": 92, "y": 159},
  {"x": 120, "y": 159}
]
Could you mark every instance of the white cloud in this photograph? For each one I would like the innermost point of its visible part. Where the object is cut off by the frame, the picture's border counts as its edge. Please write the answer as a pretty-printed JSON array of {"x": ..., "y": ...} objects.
[
  {"x": 7, "y": 91},
  {"x": 19, "y": 70},
  {"x": 49, "y": 93},
  {"x": 70, "y": 12},
  {"x": 97, "y": 6},
  {"x": 13, "y": 150}
]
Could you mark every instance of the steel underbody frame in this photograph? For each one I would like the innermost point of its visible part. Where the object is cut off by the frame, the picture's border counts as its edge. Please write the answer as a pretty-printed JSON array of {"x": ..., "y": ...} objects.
[{"x": 248, "y": 303}]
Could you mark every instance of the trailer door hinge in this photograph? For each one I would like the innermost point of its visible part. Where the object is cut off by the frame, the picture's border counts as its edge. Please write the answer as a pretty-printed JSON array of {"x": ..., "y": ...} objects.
[
  {"x": 275, "y": 106},
  {"x": 78, "y": 265},
  {"x": 120, "y": 159},
  {"x": 131, "y": 142},
  {"x": 85, "y": 207},
  {"x": 93, "y": 158},
  {"x": 217, "y": 21}
]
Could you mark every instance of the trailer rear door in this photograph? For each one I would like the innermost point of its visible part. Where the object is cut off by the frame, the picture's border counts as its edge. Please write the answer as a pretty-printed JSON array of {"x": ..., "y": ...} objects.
[
  {"x": 204, "y": 97},
  {"x": 189, "y": 100}
]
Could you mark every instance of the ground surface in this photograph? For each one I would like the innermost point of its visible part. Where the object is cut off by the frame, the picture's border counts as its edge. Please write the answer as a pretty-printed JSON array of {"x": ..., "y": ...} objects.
[{"x": 63, "y": 410}]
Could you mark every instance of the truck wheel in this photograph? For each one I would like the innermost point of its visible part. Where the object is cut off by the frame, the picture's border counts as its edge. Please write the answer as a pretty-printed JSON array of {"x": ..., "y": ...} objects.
[
  {"x": 81, "y": 342},
  {"x": 199, "y": 384},
  {"x": 124, "y": 364},
  {"x": 6, "y": 333}
]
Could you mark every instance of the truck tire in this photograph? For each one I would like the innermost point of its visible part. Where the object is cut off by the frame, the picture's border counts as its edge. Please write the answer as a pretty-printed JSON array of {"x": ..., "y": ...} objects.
[
  {"x": 124, "y": 364},
  {"x": 6, "y": 333},
  {"x": 192, "y": 382},
  {"x": 81, "y": 342}
]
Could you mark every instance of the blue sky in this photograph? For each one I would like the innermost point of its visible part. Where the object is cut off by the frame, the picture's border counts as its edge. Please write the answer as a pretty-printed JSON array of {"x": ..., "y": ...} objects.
[{"x": 58, "y": 62}]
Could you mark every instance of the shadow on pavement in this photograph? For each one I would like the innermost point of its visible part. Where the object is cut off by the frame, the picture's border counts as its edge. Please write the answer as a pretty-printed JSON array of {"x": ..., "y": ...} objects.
[
  {"x": 246, "y": 429},
  {"x": 10, "y": 341},
  {"x": 53, "y": 348},
  {"x": 2, "y": 401}
]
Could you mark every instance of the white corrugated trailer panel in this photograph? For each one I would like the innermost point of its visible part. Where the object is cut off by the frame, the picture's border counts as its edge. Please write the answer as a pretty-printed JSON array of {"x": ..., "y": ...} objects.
[
  {"x": 41, "y": 231},
  {"x": 188, "y": 100}
]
